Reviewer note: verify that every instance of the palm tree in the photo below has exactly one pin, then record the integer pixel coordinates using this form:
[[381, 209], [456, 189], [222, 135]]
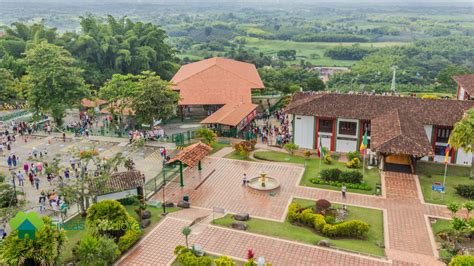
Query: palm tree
[[462, 136], [206, 135], [186, 231]]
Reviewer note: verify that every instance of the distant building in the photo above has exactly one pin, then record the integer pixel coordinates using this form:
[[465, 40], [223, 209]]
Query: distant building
[[326, 72], [465, 86], [401, 130], [219, 88]]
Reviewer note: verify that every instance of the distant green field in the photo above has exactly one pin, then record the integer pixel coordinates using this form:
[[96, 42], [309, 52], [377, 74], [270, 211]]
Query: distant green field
[[305, 50], [309, 51]]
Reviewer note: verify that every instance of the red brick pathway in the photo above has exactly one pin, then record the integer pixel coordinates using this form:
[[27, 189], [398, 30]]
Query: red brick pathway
[[407, 232]]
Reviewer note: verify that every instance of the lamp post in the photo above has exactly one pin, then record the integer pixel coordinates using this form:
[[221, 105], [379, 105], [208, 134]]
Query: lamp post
[[163, 188]]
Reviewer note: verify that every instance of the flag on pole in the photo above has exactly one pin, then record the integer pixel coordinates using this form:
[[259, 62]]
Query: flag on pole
[[320, 149], [446, 154], [364, 143]]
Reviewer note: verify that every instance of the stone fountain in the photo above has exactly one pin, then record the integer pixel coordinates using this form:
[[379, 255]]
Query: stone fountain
[[263, 182]]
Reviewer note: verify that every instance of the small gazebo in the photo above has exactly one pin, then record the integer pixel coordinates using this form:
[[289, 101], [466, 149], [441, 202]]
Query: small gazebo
[[190, 156]]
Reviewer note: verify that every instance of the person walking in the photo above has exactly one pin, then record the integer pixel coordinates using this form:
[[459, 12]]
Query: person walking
[[9, 162], [42, 202], [30, 177], [36, 181], [245, 180], [343, 190], [21, 179]]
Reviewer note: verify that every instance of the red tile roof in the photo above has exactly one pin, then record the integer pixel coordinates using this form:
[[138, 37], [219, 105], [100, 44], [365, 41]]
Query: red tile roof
[[367, 107], [92, 103], [466, 82], [216, 81], [397, 133], [118, 182], [192, 154], [230, 114]]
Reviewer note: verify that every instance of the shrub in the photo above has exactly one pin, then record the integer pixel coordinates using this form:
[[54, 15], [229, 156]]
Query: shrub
[[187, 258], [131, 236], [462, 260], [319, 222], [329, 219], [307, 217], [330, 174], [353, 228], [107, 218], [293, 214], [96, 251], [245, 147], [327, 159], [353, 177], [290, 147], [307, 154], [2, 177], [466, 191], [322, 205], [353, 154], [224, 261], [354, 163]]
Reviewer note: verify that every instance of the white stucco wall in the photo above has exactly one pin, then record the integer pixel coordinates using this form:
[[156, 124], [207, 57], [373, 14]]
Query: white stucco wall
[[461, 94], [464, 158], [304, 131], [346, 143], [429, 133]]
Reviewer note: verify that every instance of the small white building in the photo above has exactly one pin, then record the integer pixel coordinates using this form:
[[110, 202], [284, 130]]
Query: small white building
[[465, 86]]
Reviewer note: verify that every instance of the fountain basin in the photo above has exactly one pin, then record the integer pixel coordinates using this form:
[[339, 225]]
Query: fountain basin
[[270, 183]]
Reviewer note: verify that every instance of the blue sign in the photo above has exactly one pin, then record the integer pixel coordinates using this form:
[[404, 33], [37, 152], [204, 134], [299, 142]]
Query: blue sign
[[439, 188]]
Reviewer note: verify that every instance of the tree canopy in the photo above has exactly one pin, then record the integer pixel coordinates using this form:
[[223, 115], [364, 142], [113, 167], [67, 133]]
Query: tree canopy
[[53, 83]]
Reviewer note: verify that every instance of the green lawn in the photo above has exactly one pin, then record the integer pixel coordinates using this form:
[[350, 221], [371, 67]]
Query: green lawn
[[216, 146], [236, 156], [434, 172], [306, 235], [74, 236], [313, 167]]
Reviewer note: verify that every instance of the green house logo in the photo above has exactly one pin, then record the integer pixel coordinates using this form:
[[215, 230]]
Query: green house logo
[[26, 224]]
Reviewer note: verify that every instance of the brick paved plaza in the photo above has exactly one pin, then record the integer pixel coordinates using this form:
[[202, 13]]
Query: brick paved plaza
[[407, 233]]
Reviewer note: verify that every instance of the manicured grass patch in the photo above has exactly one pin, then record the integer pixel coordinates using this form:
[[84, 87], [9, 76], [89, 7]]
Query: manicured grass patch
[[216, 146], [79, 223], [288, 231], [434, 172], [313, 167], [236, 156], [441, 225]]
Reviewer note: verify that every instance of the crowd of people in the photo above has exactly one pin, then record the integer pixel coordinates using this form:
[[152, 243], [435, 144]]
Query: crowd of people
[[271, 129]]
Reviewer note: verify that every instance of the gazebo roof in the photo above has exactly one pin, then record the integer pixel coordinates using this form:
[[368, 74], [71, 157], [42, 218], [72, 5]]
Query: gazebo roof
[[192, 154], [119, 182]]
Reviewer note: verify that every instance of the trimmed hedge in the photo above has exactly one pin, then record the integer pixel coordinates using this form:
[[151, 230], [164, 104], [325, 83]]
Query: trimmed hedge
[[336, 175], [466, 191], [353, 229], [319, 181]]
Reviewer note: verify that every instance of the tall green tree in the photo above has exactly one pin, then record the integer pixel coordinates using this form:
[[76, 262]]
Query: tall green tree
[[8, 90], [54, 83], [445, 76], [154, 99], [121, 46], [462, 135]]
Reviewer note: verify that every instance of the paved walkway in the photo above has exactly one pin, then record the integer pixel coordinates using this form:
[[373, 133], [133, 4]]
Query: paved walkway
[[408, 237]]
